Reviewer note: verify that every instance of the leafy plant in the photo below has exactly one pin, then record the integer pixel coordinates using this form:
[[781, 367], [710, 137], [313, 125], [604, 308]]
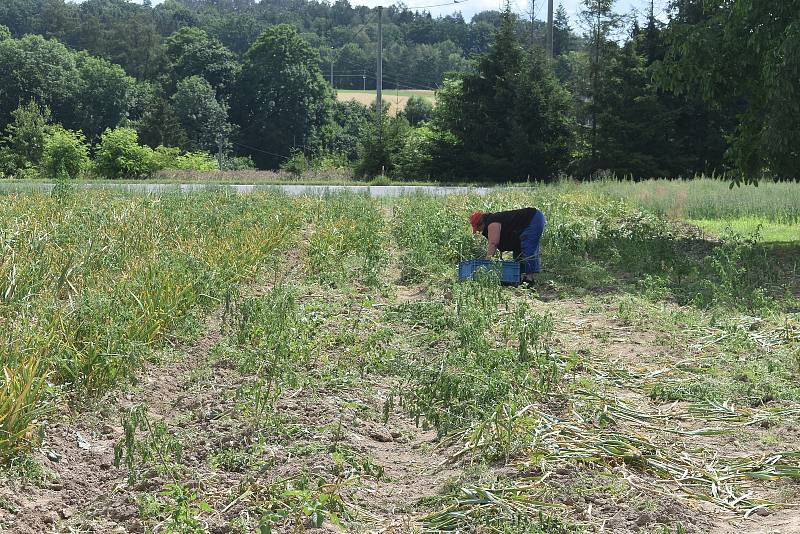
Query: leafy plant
[[65, 154], [119, 155]]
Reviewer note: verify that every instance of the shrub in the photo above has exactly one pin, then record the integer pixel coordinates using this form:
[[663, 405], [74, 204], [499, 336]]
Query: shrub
[[120, 155], [417, 110], [165, 156], [379, 152], [197, 161], [65, 154], [238, 163], [328, 161], [429, 153], [170, 158], [25, 137], [297, 163]]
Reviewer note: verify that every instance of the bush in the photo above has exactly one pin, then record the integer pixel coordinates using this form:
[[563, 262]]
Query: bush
[[65, 154], [329, 161], [297, 163], [120, 155], [417, 110], [170, 158], [428, 153], [25, 138], [379, 153], [238, 163], [164, 156], [196, 161]]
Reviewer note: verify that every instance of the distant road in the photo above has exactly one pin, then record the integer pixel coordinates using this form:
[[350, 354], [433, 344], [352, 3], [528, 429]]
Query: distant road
[[289, 189]]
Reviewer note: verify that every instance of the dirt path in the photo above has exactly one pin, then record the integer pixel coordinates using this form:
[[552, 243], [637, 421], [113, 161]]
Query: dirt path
[[645, 353], [80, 486]]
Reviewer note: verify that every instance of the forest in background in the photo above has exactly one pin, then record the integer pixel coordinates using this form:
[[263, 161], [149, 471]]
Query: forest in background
[[120, 90]]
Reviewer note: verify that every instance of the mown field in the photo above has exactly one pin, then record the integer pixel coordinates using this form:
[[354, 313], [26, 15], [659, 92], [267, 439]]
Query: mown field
[[262, 363], [395, 98]]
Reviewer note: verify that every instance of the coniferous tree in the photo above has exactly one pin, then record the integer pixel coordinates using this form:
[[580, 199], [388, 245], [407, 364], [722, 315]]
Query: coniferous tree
[[600, 21], [511, 118], [562, 33]]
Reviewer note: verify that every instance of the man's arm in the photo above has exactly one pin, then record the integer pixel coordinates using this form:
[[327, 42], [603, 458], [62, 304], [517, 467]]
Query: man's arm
[[493, 234]]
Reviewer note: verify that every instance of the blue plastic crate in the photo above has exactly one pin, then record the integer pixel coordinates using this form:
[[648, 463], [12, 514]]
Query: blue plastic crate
[[509, 272]]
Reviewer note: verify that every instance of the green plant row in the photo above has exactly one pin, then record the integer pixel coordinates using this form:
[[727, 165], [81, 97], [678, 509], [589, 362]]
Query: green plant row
[[90, 285]]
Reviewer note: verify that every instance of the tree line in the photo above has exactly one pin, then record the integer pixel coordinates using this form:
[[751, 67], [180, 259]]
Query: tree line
[[712, 90]]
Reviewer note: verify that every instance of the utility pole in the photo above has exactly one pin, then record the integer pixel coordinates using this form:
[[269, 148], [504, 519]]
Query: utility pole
[[549, 38], [332, 67], [533, 15], [364, 78], [379, 74]]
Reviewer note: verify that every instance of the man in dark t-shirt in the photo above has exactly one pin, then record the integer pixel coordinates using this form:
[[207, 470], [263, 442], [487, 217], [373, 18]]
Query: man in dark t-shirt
[[518, 231]]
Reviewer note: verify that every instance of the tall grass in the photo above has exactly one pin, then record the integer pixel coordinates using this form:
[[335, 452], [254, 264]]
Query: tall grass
[[90, 285], [706, 198]]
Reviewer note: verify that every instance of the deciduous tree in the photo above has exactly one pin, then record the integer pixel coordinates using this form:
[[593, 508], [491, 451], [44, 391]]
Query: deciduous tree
[[281, 97]]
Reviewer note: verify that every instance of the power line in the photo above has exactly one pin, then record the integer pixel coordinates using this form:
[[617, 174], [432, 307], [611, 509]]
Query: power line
[[411, 8], [364, 26], [260, 150]]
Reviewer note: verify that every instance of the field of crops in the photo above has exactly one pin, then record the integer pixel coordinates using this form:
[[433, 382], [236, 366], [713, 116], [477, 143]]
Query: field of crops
[[262, 363]]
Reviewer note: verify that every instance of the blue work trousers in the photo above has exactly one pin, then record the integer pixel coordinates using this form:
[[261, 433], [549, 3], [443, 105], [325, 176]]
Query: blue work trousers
[[529, 244]]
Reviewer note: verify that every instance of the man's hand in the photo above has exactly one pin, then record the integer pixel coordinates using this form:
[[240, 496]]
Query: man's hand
[[493, 235]]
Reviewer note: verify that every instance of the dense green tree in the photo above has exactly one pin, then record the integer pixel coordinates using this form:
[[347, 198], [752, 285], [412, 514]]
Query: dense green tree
[[84, 92], [160, 125], [744, 54], [634, 130], [103, 95], [36, 68], [171, 15], [23, 144], [122, 32], [201, 116], [417, 110], [600, 22], [697, 142], [563, 39], [351, 122], [511, 118], [237, 31], [20, 16], [429, 153], [132, 35], [281, 98], [192, 52]]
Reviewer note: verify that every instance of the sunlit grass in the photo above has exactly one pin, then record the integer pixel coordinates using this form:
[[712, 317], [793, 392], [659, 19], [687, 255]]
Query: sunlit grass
[[766, 230], [707, 199], [92, 283]]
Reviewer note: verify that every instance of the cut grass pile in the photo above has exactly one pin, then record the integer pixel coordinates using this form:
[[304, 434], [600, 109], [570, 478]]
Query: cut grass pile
[[650, 370]]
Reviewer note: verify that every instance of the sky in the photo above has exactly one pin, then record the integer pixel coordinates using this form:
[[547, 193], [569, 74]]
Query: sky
[[470, 7]]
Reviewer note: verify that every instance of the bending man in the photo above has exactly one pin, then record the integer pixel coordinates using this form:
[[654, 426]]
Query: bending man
[[517, 231]]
